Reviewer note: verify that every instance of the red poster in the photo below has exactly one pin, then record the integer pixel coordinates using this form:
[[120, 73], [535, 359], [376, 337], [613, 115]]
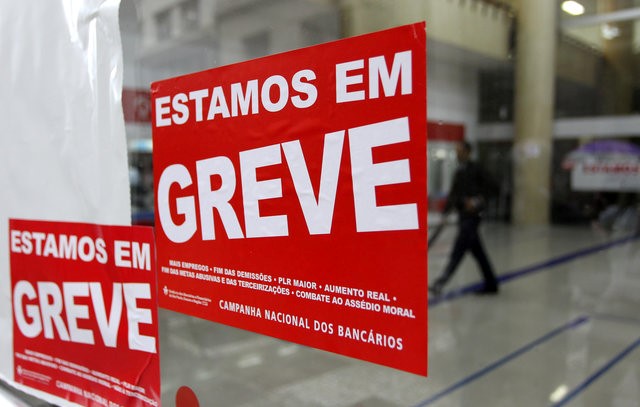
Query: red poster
[[291, 196], [85, 322], [135, 105]]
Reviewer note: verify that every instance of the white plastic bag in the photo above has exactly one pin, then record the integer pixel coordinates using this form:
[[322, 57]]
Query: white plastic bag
[[62, 140]]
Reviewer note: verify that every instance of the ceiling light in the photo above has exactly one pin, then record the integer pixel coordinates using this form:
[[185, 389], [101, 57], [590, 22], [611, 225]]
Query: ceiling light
[[609, 32], [559, 393], [572, 7]]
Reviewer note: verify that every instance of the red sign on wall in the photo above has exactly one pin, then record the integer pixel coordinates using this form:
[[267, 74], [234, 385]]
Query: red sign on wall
[[135, 105], [85, 324], [291, 196]]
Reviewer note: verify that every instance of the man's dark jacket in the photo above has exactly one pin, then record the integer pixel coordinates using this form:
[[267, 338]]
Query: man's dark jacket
[[470, 182]]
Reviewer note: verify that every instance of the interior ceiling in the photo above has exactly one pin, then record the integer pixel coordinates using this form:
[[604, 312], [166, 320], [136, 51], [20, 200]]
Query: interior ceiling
[[585, 31], [598, 23], [601, 7]]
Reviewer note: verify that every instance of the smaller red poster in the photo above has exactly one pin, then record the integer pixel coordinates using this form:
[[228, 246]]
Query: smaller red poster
[[85, 324]]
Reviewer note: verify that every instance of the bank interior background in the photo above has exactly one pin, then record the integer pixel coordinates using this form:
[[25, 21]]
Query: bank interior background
[[548, 94]]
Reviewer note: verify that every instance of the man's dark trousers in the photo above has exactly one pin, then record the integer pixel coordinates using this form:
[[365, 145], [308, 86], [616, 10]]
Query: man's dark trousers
[[468, 239]]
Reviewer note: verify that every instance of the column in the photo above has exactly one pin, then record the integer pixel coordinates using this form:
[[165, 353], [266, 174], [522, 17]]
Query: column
[[534, 105]]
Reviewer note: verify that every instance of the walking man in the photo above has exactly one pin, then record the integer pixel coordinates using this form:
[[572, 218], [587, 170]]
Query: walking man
[[468, 197]]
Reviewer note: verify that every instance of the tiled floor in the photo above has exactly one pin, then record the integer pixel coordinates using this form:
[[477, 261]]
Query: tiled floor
[[565, 327]]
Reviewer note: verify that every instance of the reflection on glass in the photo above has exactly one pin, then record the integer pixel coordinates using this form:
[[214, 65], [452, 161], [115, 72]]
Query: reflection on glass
[[472, 53]]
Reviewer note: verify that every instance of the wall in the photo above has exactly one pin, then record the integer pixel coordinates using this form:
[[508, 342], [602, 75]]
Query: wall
[[452, 93]]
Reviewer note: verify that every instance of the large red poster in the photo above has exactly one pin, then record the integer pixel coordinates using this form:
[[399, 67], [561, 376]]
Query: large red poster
[[291, 196], [85, 323]]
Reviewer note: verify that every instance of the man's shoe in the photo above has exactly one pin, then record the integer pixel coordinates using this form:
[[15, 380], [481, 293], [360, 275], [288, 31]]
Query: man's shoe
[[487, 290], [436, 289]]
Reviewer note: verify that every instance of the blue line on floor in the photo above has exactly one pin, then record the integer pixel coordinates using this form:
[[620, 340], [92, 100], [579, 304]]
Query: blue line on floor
[[503, 278], [463, 382], [616, 318], [589, 380]]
